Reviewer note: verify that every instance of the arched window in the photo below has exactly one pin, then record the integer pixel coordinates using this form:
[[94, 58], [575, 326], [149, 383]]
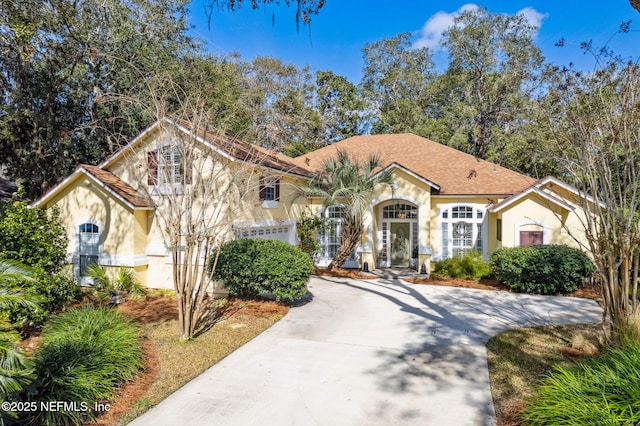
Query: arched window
[[330, 236], [88, 246], [461, 230]]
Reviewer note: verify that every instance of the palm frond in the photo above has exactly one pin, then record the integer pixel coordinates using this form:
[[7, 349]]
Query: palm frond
[[13, 271]]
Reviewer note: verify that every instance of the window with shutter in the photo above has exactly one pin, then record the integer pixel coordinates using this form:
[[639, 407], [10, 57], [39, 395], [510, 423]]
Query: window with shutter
[[269, 192]]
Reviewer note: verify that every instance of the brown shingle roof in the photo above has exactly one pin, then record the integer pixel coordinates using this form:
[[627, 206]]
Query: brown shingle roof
[[117, 185], [456, 172], [251, 153]]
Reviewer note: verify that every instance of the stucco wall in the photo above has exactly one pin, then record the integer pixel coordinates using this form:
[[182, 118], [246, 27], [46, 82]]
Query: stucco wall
[[559, 225]]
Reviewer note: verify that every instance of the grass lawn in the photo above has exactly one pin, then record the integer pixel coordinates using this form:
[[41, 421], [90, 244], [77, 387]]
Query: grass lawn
[[170, 364], [520, 358]]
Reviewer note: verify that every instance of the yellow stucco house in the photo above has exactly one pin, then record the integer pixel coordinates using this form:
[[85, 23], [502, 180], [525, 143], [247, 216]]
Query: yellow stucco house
[[441, 202]]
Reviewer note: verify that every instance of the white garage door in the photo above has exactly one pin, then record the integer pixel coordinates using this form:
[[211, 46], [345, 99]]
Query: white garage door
[[280, 233]]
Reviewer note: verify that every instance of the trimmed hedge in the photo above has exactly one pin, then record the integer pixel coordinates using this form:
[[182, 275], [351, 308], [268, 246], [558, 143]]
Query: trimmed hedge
[[549, 269], [86, 354], [249, 267]]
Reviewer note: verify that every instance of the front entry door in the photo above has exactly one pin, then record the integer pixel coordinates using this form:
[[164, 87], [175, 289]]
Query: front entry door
[[400, 243]]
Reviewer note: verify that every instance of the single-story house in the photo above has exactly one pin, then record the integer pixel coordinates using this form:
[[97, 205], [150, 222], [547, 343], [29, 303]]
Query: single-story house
[[441, 202]]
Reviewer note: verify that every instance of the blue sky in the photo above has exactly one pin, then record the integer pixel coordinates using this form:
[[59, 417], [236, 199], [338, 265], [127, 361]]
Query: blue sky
[[337, 35]]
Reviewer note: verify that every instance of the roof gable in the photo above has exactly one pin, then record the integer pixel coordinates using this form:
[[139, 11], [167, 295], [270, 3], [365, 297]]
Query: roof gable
[[107, 181], [231, 148], [455, 172]]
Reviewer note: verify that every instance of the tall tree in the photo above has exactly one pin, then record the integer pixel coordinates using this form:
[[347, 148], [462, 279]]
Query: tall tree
[[350, 182], [279, 98], [596, 118], [494, 69], [305, 9], [396, 82], [342, 108], [63, 62]]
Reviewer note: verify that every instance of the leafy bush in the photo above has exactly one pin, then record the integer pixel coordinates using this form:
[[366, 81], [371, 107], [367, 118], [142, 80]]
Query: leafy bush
[[85, 354], [249, 267], [602, 391], [471, 265], [36, 238], [33, 236], [124, 281], [548, 269]]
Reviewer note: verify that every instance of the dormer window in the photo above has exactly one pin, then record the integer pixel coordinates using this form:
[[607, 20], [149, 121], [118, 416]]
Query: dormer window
[[269, 192]]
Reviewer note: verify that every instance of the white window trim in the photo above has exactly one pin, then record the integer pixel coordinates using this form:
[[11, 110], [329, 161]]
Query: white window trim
[[270, 183], [440, 255], [323, 259], [162, 187], [542, 224], [75, 259]]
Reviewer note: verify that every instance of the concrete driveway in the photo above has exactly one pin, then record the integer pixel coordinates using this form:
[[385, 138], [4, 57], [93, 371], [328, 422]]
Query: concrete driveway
[[367, 352]]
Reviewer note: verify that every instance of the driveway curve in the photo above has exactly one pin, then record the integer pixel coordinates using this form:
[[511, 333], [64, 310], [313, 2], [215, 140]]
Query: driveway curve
[[367, 352]]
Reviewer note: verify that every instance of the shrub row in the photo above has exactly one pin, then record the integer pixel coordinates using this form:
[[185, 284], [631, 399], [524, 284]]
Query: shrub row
[[550, 269], [249, 267]]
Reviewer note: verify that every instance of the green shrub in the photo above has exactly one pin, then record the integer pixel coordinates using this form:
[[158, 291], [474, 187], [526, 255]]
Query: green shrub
[[249, 267], [85, 354], [551, 269], [124, 281], [602, 391], [471, 265], [36, 238]]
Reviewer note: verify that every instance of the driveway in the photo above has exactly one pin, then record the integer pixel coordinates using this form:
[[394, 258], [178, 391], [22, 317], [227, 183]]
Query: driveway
[[367, 352]]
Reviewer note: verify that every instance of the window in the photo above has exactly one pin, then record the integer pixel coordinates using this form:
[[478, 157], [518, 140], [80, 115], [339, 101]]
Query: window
[[88, 246], [331, 236], [499, 229], [269, 192], [400, 211], [166, 167], [461, 230], [531, 238]]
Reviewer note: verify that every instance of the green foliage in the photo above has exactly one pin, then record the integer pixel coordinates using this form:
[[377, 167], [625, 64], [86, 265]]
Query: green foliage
[[307, 229], [602, 391], [249, 267], [123, 281], [36, 238], [471, 265], [548, 269], [15, 368], [64, 65], [85, 354], [347, 181], [31, 236]]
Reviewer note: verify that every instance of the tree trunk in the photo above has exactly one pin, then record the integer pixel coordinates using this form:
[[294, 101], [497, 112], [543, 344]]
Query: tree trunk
[[350, 238]]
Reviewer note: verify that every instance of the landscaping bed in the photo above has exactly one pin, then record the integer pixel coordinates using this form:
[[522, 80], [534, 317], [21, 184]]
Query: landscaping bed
[[236, 322]]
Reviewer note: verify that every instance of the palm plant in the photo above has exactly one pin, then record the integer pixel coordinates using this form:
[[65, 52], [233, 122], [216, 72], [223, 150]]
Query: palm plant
[[15, 368], [350, 182]]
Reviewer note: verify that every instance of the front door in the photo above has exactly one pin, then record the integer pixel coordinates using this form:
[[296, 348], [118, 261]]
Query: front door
[[400, 243]]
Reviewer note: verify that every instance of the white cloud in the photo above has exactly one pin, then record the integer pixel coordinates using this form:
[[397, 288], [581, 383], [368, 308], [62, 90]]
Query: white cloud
[[431, 32], [534, 17]]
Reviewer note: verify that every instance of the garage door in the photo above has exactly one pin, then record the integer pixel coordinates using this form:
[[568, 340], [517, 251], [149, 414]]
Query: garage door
[[280, 233]]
